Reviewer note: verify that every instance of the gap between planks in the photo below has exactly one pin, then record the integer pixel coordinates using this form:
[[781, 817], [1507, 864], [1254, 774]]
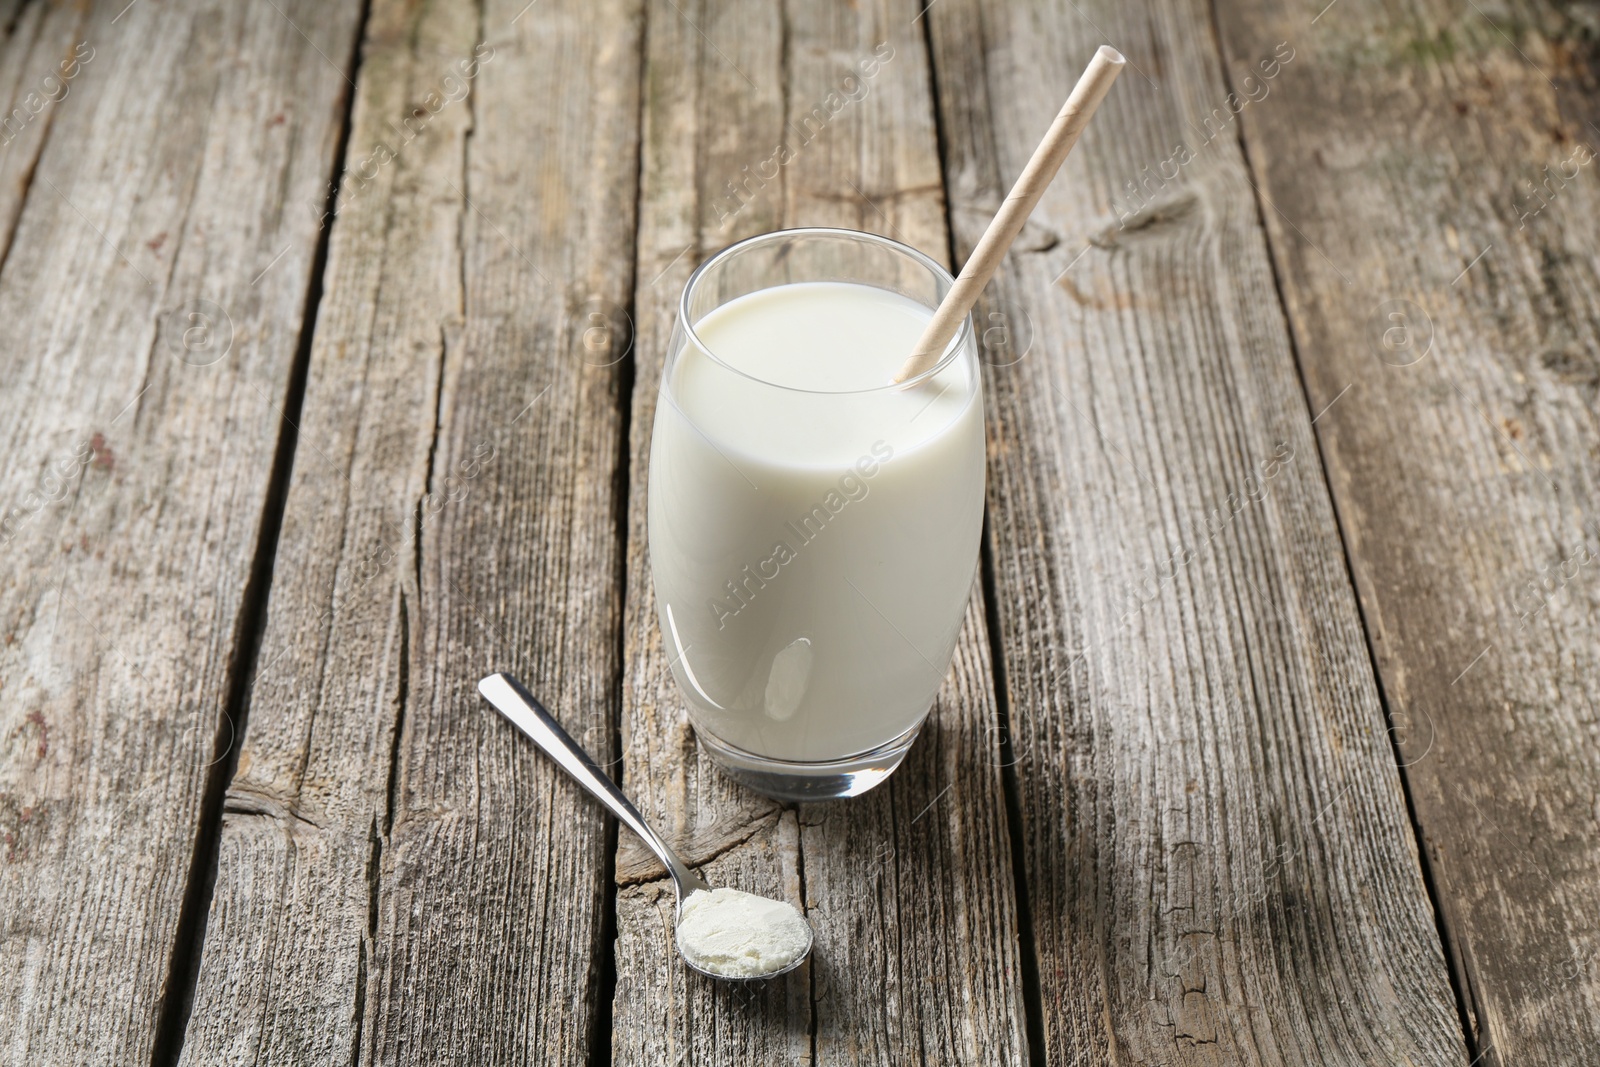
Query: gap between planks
[[600, 1044]]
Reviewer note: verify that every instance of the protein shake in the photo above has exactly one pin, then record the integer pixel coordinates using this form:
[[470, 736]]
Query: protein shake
[[813, 529]]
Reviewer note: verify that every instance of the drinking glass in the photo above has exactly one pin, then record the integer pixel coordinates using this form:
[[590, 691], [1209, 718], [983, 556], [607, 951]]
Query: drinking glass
[[813, 549]]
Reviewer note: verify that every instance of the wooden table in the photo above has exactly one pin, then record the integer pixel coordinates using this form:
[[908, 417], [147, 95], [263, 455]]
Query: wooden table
[[331, 337]]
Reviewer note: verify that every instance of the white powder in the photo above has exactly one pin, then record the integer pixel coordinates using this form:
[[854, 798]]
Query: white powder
[[740, 935]]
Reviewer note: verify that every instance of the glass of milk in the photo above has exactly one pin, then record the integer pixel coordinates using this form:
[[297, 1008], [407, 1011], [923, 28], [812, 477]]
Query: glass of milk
[[813, 526]]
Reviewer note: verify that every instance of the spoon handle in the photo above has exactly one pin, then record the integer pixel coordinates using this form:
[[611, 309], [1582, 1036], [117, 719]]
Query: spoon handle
[[528, 715]]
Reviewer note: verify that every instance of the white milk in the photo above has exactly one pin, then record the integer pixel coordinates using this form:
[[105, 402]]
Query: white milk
[[813, 551]]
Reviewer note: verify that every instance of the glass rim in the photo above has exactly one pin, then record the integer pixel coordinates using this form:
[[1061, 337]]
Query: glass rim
[[952, 350]]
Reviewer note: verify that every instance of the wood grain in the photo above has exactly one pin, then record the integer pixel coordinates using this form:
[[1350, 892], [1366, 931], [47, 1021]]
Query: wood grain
[[40, 64], [1219, 861], [1463, 463], [403, 879], [910, 889], [152, 299]]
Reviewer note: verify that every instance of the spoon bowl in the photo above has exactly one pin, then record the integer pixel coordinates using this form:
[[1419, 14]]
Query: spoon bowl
[[677, 916], [511, 700]]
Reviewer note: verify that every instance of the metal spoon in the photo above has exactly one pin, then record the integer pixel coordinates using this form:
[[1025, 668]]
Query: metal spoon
[[528, 715]]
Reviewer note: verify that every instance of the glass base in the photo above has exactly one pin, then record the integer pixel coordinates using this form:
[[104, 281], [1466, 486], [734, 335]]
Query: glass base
[[828, 780]]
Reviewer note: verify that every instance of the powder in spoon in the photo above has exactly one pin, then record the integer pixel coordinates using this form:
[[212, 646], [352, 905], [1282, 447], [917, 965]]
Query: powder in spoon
[[740, 935]]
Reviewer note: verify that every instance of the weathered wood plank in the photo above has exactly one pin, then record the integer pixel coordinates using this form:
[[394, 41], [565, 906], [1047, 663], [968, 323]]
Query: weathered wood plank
[[152, 301], [309, 798], [1218, 855], [1464, 462], [402, 878], [43, 53], [910, 889]]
